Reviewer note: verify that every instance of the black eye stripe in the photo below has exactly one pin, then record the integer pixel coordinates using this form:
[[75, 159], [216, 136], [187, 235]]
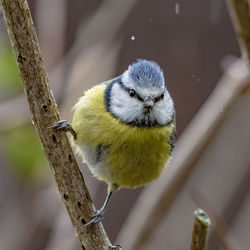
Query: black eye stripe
[[158, 98], [134, 94], [139, 98], [131, 92]]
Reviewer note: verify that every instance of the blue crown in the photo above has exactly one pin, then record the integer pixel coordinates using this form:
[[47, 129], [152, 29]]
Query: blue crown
[[146, 74]]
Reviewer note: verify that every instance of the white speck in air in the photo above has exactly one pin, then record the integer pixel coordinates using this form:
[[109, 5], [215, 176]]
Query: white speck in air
[[132, 37], [196, 78], [177, 8]]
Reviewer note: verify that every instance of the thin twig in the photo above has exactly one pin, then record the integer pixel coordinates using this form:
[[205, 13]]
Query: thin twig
[[44, 113], [200, 230], [223, 232], [240, 15]]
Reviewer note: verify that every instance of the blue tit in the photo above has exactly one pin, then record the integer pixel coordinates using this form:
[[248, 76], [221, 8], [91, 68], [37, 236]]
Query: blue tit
[[124, 128]]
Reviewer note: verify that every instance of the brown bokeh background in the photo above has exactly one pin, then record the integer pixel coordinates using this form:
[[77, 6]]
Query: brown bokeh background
[[83, 43]]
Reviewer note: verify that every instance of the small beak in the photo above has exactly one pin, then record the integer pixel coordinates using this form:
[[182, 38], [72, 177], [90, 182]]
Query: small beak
[[148, 102]]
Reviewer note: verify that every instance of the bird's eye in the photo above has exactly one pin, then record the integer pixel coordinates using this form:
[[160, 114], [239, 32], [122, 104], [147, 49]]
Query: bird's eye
[[158, 98], [131, 92]]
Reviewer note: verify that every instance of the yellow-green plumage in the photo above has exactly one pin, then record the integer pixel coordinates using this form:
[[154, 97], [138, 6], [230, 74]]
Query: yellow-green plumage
[[133, 155]]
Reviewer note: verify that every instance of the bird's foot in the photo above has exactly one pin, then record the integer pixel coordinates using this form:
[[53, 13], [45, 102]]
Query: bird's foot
[[64, 126], [116, 247], [96, 217]]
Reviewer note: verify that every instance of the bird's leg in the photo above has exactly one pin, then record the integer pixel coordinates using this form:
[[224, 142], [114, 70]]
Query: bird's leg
[[64, 126], [98, 215]]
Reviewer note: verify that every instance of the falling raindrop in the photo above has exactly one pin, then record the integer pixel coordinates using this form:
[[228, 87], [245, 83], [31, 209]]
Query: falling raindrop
[[132, 37], [177, 8]]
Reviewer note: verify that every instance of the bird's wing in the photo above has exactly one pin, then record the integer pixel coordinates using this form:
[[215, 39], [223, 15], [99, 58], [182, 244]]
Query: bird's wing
[[172, 137]]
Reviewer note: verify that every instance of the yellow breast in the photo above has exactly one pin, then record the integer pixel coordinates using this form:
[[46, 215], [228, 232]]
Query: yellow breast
[[135, 155]]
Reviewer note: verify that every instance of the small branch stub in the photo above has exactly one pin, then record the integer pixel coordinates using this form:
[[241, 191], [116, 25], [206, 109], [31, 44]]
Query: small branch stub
[[200, 230]]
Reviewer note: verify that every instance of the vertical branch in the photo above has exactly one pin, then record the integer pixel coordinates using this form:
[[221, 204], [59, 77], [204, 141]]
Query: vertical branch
[[44, 113], [200, 230], [240, 14]]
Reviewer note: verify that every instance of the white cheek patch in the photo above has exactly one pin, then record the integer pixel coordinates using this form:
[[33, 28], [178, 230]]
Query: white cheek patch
[[163, 110], [123, 106]]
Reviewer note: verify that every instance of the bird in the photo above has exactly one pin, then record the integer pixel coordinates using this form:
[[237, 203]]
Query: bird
[[124, 129]]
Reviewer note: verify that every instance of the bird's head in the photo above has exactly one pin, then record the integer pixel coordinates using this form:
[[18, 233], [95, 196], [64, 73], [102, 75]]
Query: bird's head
[[139, 97]]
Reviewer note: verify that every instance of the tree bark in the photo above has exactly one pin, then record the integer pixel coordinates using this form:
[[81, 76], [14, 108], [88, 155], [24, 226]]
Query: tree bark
[[44, 113]]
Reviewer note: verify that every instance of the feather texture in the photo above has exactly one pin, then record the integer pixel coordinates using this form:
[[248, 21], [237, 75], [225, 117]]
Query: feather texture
[[132, 156]]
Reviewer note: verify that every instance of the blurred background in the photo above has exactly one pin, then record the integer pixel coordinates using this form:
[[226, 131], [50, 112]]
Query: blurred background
[[90, 41]]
